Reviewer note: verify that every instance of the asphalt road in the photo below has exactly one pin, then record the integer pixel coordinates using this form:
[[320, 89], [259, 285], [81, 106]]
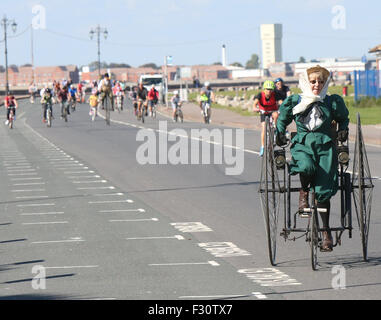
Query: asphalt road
[[82, 216]]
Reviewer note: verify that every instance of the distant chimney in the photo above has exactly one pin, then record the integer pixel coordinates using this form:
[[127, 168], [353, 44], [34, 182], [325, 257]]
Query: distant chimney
[[224, 62]]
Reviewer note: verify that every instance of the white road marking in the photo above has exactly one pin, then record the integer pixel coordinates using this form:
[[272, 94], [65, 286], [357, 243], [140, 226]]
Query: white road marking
[[135, 220], [223, 249], [72, 267], [58, 241], [122, 210], [269, 277], [212, 263], [178, 237], [44, 223], [22, 174], [29, 184], [111, 201], [78, 172], [83, 182], [31, 190], [109, 194], [41, 213], [191, 227], [96, 188], [259, 295], [36, 205], [25, 179], [32, 197]]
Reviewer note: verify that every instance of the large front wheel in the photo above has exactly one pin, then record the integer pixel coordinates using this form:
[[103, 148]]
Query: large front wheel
[[270, 192], [362, 188]]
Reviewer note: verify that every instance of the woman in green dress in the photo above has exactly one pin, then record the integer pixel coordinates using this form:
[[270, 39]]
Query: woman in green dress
[[313, 148]]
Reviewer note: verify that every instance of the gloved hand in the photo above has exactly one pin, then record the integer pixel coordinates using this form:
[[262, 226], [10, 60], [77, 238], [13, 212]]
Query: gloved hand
[[281, 139], [342, 135]]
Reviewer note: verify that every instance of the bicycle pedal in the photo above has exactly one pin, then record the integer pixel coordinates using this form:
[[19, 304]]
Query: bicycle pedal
[[304, 214]]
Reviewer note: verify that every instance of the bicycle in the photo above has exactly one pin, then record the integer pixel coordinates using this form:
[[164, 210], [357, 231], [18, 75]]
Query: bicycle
[[11, 118], [48, 116], [276, 190], [206, 112], [179, 113], [107, 108], [64, 109], [119, 103]]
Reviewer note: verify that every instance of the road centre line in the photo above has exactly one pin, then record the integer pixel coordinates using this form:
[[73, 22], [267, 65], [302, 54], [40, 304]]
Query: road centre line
[[75, 177], [178, 237], [32, 190], [41, 213], [77, 172], [135, 220], [44, 223], [109, 201], [188, 137], [94, 181], [58, 241], [36, 205], [22, 174], [96, 188], [25, 179], [122, 210], [72, 267], [29, 184], [212, 263], [32, 197], [110, 194]]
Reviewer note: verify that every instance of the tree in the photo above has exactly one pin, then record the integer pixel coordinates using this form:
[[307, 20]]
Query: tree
[[118, 65], [217, 64], [253, 63], [302, 60], [149, 65], [237, 64]]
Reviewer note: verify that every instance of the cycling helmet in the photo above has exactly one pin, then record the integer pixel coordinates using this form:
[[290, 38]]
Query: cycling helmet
[[269, 85], [175, 92], [207, 84], [278, 80]]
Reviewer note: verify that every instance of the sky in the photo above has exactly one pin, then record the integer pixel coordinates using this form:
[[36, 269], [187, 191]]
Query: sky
[[191, 31]]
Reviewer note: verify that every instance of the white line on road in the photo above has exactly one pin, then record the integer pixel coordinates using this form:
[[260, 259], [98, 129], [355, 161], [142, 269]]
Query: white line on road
[[36, 205], [22, 174], [178, 237], [135, 220], [95, 188], [29, 184], [109, 194], [58, 241], [111, 201], [212, 263], [41, 213], [78, 172], [71, 267], [82, 182], [122, 210], [32, 190], [32, 197], [25, 179], [43, 223]]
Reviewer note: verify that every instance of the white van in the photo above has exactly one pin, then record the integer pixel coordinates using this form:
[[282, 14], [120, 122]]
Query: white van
[[153, 79]]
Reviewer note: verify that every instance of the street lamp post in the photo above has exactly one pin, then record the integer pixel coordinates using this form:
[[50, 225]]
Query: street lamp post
[[5, 24], [98, 30]]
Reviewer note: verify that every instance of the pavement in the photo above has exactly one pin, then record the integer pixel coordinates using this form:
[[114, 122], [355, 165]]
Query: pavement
[[192, 113]]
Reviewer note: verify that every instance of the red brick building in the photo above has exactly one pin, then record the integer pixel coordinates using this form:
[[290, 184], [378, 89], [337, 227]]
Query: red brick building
[[23, 76]]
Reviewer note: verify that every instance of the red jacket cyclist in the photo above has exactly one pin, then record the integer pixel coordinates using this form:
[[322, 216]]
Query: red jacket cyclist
[[266, 103]]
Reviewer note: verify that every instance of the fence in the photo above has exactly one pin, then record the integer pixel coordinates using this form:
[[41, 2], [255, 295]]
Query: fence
[[367, 84]]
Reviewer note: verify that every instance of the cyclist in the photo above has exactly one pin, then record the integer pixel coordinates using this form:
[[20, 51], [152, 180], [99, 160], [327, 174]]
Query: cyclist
[[176, 102], [73, 95], [62, 98], [313, 149], [93, 102], [207, 96], [153, 98], [81, 93], [134, 98], [142, 99], [265, 103], [10, 103], [47, 102], [105, 89], [282, 92], [32, 92], [118, 92]]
